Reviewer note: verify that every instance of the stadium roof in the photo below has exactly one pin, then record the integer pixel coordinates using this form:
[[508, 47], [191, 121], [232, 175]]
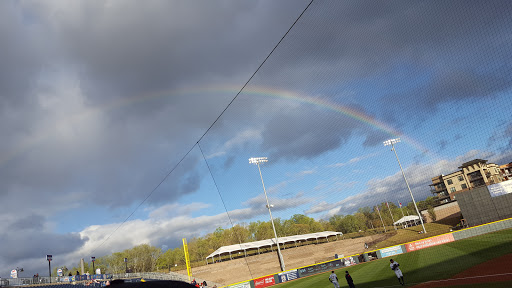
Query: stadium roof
[[407, 219], [271, 242]]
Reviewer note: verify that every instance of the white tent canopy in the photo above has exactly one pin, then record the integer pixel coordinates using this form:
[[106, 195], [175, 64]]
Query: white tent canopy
[[407, 219], [269, 243]]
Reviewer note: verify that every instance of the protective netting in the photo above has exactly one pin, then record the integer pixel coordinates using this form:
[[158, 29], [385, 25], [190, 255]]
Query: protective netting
[[434, 77]]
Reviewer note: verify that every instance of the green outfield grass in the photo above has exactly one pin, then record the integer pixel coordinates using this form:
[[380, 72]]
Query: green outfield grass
[[439, 262], [411, 234]]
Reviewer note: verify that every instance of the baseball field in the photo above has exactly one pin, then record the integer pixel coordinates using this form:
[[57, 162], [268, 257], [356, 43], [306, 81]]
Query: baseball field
[[458, 263]]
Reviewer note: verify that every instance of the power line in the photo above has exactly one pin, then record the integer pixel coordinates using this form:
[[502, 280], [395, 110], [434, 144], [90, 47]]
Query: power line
[[207, 130], [257, 69], [225, 207]]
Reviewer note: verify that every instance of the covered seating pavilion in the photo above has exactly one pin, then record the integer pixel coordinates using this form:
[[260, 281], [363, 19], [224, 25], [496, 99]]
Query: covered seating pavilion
[[406, 220], [244, 247]]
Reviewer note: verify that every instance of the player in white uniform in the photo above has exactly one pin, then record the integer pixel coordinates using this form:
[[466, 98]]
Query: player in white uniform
[[334, 279], [395, 267]]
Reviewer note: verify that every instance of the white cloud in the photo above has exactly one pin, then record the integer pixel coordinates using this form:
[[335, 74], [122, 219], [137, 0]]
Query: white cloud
[[169, 210], [167, 224], [353, 160], [393, 188], [249, 135]]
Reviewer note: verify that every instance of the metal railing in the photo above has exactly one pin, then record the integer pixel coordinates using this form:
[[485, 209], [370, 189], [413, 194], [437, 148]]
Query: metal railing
[[26, 281], [5, 282]]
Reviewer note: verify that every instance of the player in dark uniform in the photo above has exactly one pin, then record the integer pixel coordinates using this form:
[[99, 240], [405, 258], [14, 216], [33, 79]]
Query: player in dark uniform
[[349, 280]]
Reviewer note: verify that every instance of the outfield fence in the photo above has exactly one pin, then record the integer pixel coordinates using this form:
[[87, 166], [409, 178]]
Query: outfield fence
[[306, 271]]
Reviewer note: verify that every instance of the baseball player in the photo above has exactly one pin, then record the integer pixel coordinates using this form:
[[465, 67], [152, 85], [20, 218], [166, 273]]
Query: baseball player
[[334, 279], [395, 267], [350, 281]]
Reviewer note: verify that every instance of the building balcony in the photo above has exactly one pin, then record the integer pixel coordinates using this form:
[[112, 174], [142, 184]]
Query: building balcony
[[474, 177], [439, 192], [443, 195]]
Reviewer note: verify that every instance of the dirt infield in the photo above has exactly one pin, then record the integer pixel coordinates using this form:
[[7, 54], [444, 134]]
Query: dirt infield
[[496, 270]]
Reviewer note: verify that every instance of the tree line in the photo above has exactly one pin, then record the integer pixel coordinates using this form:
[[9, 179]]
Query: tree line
[[147, 258]]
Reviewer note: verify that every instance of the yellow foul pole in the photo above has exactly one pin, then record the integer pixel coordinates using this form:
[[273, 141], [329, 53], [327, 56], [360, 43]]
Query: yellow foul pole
[[187, 258]]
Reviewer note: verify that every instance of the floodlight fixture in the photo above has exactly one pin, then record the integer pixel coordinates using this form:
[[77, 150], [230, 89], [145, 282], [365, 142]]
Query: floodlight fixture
[[257, 161], [392, 142]]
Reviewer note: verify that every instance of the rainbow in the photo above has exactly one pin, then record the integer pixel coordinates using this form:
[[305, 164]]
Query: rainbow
[[258, 91], [261, 91]]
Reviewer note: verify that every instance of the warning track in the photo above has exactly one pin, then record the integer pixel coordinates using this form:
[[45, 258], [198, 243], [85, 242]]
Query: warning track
[[495, 270]]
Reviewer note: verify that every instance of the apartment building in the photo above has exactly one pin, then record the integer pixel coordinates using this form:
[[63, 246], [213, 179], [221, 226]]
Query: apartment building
[[473, 174], [438, 188], [480, 173], [506, 171]]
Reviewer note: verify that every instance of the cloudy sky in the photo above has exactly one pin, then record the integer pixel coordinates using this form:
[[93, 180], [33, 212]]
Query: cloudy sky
[[100, 100]]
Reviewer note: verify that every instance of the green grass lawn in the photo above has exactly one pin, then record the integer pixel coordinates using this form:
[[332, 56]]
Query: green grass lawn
[[439, 262], [411, 234]]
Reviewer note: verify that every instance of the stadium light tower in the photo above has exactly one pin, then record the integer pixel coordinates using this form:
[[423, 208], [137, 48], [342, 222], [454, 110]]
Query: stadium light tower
[[392, 142], [258, 161]]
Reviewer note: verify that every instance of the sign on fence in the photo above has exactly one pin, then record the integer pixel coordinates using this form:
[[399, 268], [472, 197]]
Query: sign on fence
[[499, 189], [390, 251], [264, 281], [288, 276], [241, 285], [425, 243], [349, 261], [314, 269]]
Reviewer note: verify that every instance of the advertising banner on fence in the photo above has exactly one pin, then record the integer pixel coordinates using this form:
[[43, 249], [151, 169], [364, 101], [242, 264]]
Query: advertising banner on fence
[[306, 271], [264, 281], [241, 285], [499, 189], [425, 243], [288, 276], [395, 250], [310, 270], [349, 261]]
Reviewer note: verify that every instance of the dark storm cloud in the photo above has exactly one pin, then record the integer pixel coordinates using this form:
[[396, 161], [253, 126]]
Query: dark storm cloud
[[24, 222], [309, 132], [126, 52], [427, 53], [28, 237], [451, 85], [19, 246], [21, 55], [114, 57]]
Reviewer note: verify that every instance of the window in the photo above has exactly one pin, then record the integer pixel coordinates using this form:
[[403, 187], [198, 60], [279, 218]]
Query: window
[[452, 189], [463, 186], [461, 178], [449, 181]]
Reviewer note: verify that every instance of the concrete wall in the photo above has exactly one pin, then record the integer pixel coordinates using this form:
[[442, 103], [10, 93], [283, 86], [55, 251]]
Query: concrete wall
[[478, 207], [475, 231], [448, 210]]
